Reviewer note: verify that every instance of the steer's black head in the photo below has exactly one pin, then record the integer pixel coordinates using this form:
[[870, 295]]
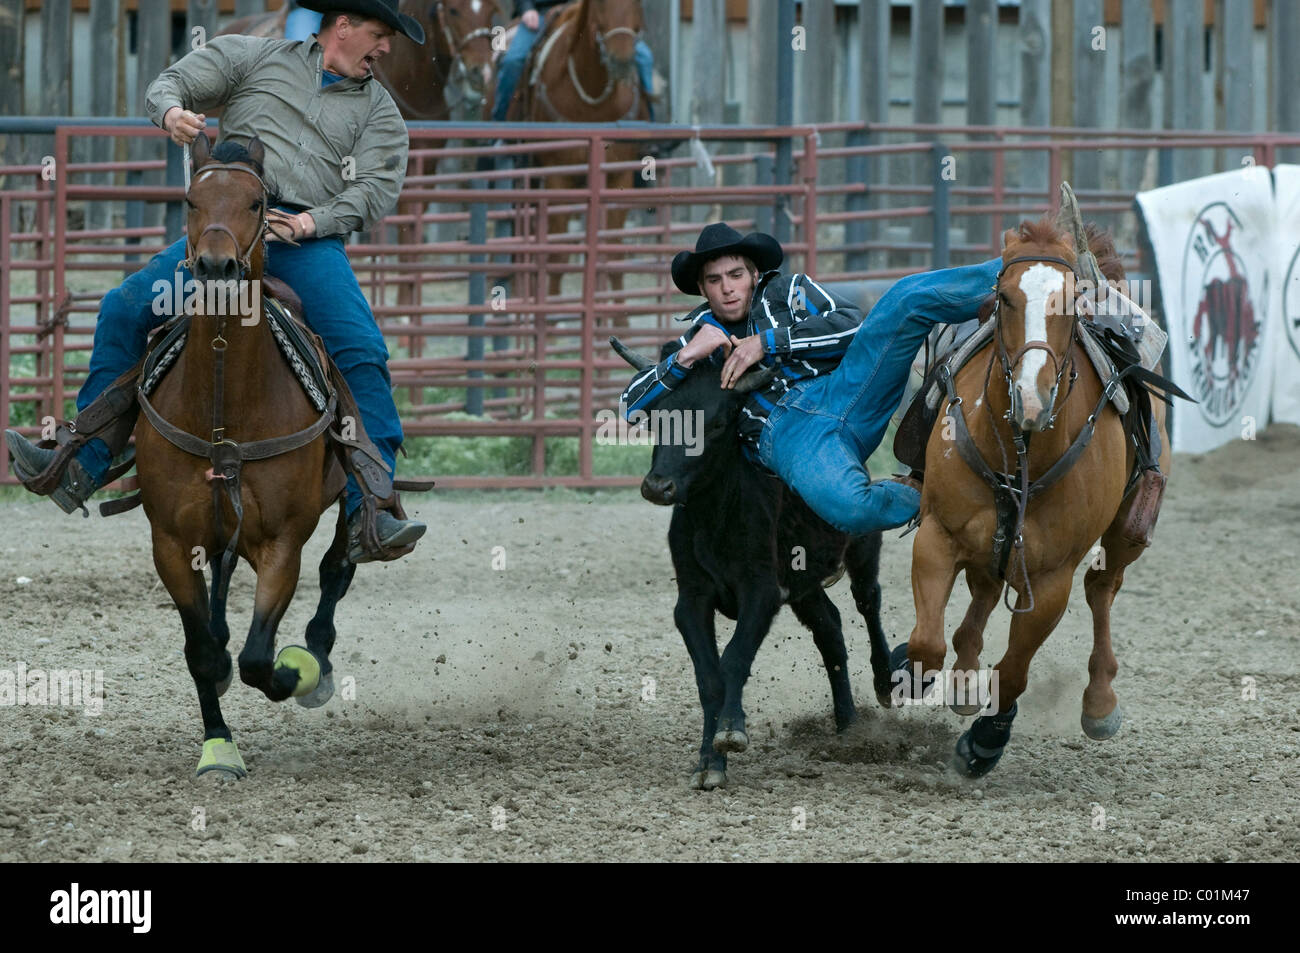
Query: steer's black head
[[694, 428]]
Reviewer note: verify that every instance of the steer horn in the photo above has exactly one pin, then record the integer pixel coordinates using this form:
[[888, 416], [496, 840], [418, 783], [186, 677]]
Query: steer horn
[[755, 380], [1071, 220], [639, 361]]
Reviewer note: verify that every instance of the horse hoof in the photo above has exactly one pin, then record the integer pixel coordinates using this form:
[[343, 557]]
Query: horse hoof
[[224, 684], [323, 693], [300, 660], [1099, 729], [904, 679], [708, 780], [222, 756], [729, 742], [973, 708], [971, 761]]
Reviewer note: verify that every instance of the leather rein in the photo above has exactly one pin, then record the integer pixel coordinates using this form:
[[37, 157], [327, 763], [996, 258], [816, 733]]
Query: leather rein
[[1012, 492], [226, 456]]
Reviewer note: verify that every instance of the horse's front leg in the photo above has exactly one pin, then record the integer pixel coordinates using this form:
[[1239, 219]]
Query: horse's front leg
[[968, 640], [205, 654], [336, 572], [296, 672], [934, 569]]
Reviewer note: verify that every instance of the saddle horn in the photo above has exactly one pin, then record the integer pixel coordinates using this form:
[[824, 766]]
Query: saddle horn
[[1070, 219], [639, 361]]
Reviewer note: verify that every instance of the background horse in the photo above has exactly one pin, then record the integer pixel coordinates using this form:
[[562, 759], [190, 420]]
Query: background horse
[[282, 496], [587, 73], [1061, 526]]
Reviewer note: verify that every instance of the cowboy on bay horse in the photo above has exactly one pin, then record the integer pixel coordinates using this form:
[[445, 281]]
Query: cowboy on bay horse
[[336, 149]]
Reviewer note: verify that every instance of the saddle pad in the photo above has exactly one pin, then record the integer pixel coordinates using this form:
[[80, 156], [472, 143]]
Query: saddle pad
[[961, 357], [291, 337]]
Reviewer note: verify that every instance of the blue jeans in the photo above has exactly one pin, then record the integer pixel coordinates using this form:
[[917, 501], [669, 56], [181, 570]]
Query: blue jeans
[[821, 432], [512, 65], [333, 307]]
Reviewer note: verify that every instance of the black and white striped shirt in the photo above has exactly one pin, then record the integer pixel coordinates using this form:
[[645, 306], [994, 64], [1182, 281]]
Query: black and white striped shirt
[[805, 332]]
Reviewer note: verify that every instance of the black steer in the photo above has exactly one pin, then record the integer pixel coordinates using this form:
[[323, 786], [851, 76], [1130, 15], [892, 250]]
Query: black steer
[[742, 544]]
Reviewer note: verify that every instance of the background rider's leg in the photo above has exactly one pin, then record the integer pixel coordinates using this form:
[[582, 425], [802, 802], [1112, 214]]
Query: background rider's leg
[[512, 65]]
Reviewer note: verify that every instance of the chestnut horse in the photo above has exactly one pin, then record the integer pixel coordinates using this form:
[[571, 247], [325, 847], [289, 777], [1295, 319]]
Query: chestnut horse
[[1007, 393], [190, 495], [588, 74]]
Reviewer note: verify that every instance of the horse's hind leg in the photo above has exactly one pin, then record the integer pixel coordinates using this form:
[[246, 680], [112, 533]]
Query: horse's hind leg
[[277, 578], [205, 652], [1101, 715], [819, 614], [862, 559], [336, 572]]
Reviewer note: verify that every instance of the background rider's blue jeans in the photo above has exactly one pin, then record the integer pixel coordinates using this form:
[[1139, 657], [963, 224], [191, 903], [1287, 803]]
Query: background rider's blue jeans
[[512, 65], [820, 434], [318, 270]]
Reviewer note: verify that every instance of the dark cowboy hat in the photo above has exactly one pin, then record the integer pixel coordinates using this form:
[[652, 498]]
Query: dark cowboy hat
[[721, 239], [385, 10]]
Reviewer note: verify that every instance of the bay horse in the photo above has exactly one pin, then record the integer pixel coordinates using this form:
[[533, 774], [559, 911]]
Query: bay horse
[[1008, 392], [194, 498], [587, 73]]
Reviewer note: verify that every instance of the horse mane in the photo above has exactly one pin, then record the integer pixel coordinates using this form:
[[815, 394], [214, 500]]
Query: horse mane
[[1045, 231], [228, 150]]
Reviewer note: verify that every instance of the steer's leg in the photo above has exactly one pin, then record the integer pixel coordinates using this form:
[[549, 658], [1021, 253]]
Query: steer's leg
[[863, 561], [819, 614], [694, 618], [757, 610]]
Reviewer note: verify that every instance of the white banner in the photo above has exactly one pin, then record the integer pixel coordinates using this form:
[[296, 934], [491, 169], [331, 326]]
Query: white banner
[[1286, 371], [1215, 244]]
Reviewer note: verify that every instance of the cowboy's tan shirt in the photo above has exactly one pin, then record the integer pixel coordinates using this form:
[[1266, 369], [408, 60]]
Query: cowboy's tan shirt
[[340, 150]]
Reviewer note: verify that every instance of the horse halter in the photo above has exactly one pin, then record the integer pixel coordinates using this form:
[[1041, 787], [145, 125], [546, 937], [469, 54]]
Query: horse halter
[[1010, 361], [450, 37], [244, 259]]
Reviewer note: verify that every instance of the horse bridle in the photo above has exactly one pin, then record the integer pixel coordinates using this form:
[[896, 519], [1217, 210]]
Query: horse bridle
[[1009, 362], [605, 61], [244, 258], [451, 38], [1012, 492]]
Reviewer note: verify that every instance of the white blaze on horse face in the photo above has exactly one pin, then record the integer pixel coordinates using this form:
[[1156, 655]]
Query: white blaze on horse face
[[1039, 283]]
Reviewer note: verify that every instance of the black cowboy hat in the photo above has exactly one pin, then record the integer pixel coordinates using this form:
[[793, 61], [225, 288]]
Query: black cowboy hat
[[385, 10], [721, 239]]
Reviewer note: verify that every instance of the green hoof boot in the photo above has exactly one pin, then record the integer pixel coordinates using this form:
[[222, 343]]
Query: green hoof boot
[[222, 756]]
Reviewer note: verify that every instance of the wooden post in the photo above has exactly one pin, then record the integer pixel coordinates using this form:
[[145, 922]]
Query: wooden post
[[245, 8], [104, 43], [874, 27], [1234, 79], [817, 62], [1285, 31], [927, 92], [200, 14], [1089, 77], [11, 89], [56, 67], [981, 106], [1063, 75], [153, 53], [1138, 73], [1035, 86], [760, 105], [708, 42], [1184, 61]]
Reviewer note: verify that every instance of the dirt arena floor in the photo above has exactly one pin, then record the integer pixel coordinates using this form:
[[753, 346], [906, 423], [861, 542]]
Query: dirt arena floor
[[501, 714]]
